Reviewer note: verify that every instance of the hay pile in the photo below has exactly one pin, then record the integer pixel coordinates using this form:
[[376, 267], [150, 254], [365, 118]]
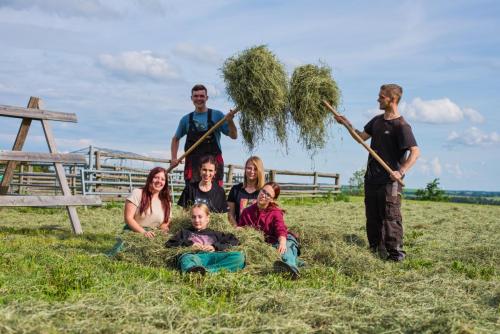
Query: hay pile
[[309, 86], [257, 83], [152, 252]]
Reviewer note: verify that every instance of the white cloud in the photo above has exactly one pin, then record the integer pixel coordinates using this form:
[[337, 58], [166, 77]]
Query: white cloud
[[473, 115], [87, 8], [438, 111], [64, 8], [473, 137], [430, 167], [454, 169], [213, 91], [203, 54], [139, 63], [436, 166]]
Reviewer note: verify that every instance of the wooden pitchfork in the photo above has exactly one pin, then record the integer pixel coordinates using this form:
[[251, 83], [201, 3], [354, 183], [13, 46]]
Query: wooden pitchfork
[[202, 138], [360, 140]]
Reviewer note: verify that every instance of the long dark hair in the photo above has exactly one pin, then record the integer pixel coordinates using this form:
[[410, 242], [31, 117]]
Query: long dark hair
[[164, 194]]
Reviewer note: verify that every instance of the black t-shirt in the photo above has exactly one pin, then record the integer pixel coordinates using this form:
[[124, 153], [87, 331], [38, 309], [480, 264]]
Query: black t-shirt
[[215, 198], [390, 139], [241, 199]]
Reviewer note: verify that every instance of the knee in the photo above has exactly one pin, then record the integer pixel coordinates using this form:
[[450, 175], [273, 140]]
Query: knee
[[238, 256], [392, 211]]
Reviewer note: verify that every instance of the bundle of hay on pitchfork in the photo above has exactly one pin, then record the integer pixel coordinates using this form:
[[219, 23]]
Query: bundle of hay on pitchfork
[[258, 84]]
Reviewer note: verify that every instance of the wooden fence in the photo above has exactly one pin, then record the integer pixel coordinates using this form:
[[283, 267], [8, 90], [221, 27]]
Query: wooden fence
[[100, 178]]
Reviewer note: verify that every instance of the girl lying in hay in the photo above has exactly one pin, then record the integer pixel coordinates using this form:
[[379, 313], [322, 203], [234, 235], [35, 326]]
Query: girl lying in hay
[[208, 248], [266, 216]]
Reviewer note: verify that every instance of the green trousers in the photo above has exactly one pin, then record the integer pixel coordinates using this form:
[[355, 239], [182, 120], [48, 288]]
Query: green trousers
[[213, 261], [119, 245]]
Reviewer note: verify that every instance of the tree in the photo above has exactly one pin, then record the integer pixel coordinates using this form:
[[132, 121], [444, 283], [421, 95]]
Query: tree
[[432, 192], [357, 182]]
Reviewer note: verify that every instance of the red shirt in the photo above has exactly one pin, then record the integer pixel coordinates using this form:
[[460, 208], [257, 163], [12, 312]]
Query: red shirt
[[270, 221]]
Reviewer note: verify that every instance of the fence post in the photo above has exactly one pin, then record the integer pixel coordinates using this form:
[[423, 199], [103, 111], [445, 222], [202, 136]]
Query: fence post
[[337, 182], [170, 182], [72, 172], [97, 167], [130, 186], [21, 179], [315, 183], [82, 173], [230, 169], [91, 164], [272, 175], [29, 178]]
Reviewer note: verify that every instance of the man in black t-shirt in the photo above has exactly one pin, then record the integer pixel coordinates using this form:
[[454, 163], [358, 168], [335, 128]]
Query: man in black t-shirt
[[392, 139]]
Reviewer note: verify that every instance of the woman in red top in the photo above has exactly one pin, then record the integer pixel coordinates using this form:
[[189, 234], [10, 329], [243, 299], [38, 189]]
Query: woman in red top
[[265, 215]]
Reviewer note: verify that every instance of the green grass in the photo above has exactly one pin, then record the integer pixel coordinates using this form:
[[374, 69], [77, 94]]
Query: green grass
[[52, 281]]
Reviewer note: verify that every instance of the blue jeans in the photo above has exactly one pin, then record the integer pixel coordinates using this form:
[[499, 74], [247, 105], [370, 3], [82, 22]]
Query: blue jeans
[[291, 256]]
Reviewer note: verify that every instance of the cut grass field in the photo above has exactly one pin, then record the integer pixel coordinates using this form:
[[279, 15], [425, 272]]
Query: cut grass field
[[52, 281]]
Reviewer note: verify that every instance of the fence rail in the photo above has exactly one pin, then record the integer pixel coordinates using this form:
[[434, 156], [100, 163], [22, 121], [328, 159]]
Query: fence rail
[[111, 181]]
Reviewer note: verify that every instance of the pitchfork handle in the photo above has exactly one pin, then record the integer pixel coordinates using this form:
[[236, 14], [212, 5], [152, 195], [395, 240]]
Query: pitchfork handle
[[202, 138], [360, 140]]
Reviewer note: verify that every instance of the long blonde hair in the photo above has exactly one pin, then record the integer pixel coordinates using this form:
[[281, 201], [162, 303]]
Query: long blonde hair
[[261, 178]]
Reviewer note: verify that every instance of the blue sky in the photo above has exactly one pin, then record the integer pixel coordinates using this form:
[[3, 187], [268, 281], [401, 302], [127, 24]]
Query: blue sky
[[126, 69]]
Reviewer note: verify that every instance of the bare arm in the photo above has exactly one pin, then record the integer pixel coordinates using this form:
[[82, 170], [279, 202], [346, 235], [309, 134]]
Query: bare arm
[[342, 120], [362, 134], [282, 245], [233, 132], [231, 213], [410, 161], [129, 213], [174, 147]]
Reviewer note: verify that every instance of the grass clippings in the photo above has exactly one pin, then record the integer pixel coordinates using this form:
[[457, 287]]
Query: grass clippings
[[152, 252], [52, 281], [257, 83]]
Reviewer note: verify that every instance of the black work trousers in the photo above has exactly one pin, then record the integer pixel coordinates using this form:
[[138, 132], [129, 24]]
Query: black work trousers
[[384, 224]]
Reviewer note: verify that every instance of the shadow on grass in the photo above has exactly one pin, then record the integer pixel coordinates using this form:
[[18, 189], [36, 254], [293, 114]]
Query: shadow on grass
[[90, 244], [354, 239], [54, 230]]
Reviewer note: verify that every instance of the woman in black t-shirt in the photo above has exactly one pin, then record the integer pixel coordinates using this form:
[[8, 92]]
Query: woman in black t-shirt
[[245, 194], [205, 191]]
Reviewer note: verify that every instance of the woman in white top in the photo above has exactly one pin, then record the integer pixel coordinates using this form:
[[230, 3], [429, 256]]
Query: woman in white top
[[149, 207]]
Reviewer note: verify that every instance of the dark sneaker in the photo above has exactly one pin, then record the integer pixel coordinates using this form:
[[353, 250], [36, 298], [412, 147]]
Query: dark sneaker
[[285, 268], [396, 256], [197, 269]]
